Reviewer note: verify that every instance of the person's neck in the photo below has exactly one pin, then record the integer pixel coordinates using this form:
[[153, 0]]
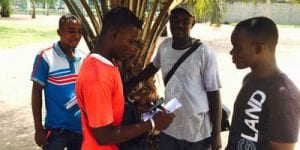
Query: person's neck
[[266, 70], [70, 53], [102, 49], [182, 43]]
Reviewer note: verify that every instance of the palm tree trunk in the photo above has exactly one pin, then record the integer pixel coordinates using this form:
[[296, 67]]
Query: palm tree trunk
[[47, 8], [164, 32], [104, 6], [33, 9], [5, 8]]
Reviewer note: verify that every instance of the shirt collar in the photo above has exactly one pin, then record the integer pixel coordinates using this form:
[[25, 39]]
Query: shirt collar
[[102, 59], [60, 52]]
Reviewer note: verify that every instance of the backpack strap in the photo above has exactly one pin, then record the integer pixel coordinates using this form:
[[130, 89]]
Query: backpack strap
[[195, 45]]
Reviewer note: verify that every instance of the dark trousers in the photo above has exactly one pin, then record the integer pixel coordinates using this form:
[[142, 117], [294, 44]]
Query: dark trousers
[[59, 139], [167, 142]]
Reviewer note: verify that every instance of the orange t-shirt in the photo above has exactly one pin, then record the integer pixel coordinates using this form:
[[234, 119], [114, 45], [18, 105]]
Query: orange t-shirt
[[100, 97]]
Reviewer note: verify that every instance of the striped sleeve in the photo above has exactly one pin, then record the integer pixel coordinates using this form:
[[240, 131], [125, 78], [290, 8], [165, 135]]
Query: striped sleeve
[[40, 69]]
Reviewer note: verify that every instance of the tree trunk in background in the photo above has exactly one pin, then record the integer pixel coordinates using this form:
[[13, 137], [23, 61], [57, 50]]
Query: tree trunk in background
[[28, 5], [5, 8], [33, 9], [47, 5], [267, 10], [104, 6], [165, 31]]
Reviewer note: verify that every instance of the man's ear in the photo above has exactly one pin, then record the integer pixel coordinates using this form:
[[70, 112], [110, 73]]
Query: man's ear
[[259, 47], [114, 32]]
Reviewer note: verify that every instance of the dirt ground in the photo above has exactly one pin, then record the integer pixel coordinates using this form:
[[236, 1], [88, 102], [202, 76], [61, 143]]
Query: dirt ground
[[16, 121]]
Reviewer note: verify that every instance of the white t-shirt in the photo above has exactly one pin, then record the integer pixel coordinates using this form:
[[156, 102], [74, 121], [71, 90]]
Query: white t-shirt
[[197, 75]]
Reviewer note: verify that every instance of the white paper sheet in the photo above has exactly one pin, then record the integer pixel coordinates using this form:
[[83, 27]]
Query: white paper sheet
[[170, 107]]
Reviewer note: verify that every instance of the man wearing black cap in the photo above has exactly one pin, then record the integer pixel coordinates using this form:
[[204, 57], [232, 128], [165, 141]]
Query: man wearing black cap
[[195, 84]]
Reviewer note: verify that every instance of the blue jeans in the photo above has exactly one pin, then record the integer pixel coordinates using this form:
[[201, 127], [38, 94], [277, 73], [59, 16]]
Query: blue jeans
[[62, 138], [167, 142]]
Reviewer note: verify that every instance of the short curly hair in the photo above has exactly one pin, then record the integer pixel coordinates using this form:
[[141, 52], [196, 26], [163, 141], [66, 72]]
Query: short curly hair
[[64, 18], [261, 29], [120, 17]]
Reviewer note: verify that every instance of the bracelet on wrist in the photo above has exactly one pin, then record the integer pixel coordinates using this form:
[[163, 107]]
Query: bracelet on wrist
[[152, 125]]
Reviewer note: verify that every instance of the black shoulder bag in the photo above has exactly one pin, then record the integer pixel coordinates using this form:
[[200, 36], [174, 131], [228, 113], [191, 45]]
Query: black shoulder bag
[[225, 111], [132, 116]]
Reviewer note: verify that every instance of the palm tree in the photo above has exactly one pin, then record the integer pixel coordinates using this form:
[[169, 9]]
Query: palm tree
[[5, 8]]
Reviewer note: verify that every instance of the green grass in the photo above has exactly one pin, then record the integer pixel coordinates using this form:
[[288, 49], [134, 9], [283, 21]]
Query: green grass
[[13, 35]]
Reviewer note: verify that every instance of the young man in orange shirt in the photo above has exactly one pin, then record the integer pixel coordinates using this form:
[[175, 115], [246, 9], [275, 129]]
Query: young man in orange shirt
[[99, 86]]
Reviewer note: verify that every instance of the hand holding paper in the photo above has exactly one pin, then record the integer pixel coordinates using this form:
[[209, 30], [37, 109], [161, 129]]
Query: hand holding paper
[[170, 107]]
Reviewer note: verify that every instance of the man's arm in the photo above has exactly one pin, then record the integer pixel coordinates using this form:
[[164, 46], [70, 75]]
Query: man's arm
[[109, 134], [215, 112], [36, 105], [281, 146], [149, 71]]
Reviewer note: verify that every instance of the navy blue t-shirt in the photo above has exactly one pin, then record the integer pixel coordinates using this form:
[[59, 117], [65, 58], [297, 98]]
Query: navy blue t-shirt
[[266, 109]]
